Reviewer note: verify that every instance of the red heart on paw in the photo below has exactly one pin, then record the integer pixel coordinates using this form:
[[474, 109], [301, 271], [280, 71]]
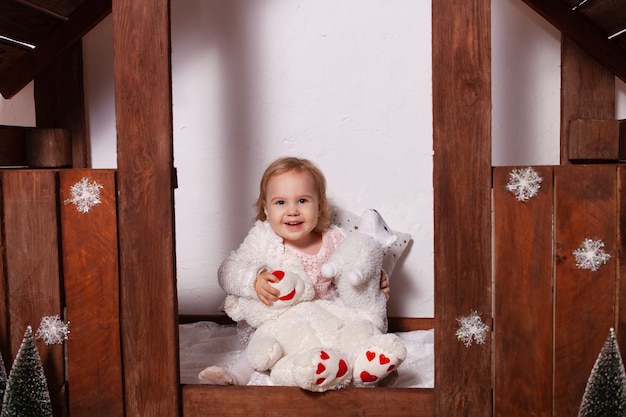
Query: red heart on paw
[[384, 359], [320, 381], [320, 368], [279, 274], [324, 355], [288, 297], [343, 368], [370, 355], [390, 368], [367, 377]]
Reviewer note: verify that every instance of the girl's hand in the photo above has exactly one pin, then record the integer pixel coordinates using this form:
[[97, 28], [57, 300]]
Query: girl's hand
[[266, 293], [384, 282]]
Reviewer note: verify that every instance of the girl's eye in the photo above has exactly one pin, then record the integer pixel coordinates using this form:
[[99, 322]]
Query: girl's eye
[[302, 200], [280, 202]]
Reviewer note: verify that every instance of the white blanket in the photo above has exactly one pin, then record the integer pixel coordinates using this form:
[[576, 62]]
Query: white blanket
[[207, 343]]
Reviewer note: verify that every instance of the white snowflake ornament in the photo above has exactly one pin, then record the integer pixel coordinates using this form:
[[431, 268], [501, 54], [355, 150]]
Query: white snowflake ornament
[[53, 330], [591, 255], [472, 329], [524, 183], [84, 195]]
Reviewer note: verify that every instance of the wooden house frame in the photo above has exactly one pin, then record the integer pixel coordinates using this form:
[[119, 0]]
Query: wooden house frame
[[462, 202]]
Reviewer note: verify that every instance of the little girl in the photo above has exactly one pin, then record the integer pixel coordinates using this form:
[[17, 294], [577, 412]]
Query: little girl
[[292, 225]]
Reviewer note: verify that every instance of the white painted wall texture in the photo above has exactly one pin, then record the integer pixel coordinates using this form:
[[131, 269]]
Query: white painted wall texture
[[346, 83]]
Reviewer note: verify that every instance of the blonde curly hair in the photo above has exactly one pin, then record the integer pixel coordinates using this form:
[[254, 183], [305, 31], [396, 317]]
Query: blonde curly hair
[[298, 165]]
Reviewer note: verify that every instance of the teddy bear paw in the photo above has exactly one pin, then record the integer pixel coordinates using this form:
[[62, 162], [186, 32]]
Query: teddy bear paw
[[216, 375], [316, 370], [331, 371], [374, 365]]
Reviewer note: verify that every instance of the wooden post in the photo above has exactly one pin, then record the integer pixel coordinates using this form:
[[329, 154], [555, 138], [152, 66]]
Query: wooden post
[[587, 90], [59, 102], [143, 101], [462, 201]]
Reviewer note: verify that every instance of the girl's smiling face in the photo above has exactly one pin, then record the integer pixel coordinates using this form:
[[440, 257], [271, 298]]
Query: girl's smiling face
[[292, 208]]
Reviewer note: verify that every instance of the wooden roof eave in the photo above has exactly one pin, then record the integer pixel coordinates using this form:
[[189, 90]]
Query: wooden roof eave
[[24, 70], [582, 32]]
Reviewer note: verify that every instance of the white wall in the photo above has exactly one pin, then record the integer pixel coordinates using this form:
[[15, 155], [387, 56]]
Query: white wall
[[19, 110], [346, 83], [526, 86], [343, 83]]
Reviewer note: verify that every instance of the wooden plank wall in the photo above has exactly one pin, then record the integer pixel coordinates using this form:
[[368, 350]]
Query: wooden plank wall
[[91, 277], [36, 224], [31, 278], [587, 90], [522, 299], [551, 318]]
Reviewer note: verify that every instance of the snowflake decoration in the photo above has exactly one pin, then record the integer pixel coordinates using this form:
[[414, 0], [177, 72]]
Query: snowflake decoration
[[472, 329], [53, 330], [85, 195], [591, 255], [524, 183]]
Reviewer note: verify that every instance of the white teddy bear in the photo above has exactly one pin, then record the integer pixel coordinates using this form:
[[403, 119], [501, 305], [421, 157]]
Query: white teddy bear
[[322, 345]]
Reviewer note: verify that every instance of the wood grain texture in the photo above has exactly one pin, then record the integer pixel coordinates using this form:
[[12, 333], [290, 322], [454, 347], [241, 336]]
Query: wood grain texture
[[25, 67], [240, 401], [31, 244], [585, 207], [593, 141], [523, 298], [141, 38], [462, 201], [587, 90], [621, 273], [60, 102], [91, 282]]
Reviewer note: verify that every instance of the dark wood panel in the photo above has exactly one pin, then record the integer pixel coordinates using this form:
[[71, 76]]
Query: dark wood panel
[[60, 101], [609, 15], [585, 207], [91, 282], [10, 54], [29, 200], [587, 91], [523, 298], [12, 146], [59, 7], [462, 201], [143, 102], [240, 401], [20, 22], [24, 70]]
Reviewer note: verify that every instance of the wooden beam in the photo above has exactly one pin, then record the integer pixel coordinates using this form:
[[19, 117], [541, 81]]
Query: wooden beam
[[60, 101], [25, 69], [583, 33], [587, 91], [143, 103], [462, 201], [262, 401]]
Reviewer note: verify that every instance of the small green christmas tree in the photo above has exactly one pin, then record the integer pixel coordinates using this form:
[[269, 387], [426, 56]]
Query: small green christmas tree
[[27, 392], [605, 394]]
